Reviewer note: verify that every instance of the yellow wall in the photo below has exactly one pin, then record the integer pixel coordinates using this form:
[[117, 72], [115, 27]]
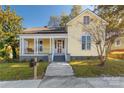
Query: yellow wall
[[46, 45], [75, 32], [30, 43], [114, 47]]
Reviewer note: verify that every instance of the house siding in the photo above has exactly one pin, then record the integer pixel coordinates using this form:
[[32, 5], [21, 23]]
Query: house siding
[[46, 45], [114, 47], [75, 32]]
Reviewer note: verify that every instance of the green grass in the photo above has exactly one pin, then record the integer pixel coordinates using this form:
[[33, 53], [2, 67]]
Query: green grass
[[91, 69], [18, 71]]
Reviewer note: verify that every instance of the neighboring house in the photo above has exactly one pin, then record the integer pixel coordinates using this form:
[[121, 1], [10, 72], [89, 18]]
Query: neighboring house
[[118, 45], [56, 44]]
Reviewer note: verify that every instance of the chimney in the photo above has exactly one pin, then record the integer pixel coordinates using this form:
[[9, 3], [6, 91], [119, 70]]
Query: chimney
[[45, 26]]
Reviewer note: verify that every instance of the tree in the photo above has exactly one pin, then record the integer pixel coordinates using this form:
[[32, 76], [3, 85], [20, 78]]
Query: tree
[[114, 15], [64, 19], [10, 26], [97, 33], [76, 10], [54, 21]]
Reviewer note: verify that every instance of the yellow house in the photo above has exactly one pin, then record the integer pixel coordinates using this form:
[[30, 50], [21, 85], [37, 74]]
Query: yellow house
[[118, 45], [55, 44]]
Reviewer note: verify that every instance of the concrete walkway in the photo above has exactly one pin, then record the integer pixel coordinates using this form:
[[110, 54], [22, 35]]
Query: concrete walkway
[[66, 82], [59, 69]]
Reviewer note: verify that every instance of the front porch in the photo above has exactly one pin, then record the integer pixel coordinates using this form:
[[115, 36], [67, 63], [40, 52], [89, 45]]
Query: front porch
[[43, 46]]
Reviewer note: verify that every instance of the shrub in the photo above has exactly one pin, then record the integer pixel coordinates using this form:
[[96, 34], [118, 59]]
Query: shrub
[[1, 59], [2, 52]]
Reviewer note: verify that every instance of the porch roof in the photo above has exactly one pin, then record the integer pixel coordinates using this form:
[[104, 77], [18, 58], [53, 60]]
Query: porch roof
[[44, 30]]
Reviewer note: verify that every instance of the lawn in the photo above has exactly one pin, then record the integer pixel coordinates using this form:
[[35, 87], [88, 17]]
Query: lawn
[[90, 68], [17, 71]]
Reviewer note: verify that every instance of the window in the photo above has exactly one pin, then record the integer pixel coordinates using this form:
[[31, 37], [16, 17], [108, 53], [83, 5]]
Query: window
[[86, 42], [40, 47], [117, 42], [86, 20], [83, 42]]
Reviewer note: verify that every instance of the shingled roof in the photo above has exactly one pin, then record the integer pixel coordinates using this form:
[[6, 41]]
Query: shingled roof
[[38, 30]]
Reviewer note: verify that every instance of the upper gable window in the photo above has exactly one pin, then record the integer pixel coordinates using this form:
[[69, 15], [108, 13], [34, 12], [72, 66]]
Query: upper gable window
[[86, 20]]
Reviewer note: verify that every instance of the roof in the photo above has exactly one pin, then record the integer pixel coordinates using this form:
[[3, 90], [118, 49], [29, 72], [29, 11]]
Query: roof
[[43, 30], [90, 12]]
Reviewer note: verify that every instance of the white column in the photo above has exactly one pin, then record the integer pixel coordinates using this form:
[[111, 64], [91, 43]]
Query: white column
[[50, 46], [22, 46], [35, 45], [53, 46], [66, 48]]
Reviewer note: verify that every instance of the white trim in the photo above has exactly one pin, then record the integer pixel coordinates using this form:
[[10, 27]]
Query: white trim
[[43, 35], [86, 35], [20, 46], [50, 46], [35, 45], [90, 12], [65, 49], [52, 49]]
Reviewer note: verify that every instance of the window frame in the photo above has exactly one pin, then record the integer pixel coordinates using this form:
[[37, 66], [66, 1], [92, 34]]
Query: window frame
[[86, 42], [86, 20], [40, 45], [116, 44]]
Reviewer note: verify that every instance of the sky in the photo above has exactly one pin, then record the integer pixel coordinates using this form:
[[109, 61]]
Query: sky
[[38, 15]]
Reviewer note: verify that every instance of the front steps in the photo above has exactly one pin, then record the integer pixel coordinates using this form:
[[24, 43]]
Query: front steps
[[59, 58]]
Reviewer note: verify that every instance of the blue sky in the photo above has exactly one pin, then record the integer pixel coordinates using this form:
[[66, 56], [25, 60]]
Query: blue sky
[[36, 16]]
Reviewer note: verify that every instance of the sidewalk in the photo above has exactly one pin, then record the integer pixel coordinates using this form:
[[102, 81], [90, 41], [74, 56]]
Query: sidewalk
[[66, 82]]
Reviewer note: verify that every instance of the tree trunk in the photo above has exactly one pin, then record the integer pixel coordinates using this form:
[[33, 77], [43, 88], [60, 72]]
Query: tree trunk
[[14, 52], [102, 61]]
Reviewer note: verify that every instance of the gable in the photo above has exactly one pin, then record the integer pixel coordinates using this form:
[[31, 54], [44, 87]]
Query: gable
[[89, 13]]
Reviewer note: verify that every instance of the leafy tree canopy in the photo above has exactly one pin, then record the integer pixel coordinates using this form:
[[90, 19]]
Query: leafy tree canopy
[[113, 14], [10, 26]]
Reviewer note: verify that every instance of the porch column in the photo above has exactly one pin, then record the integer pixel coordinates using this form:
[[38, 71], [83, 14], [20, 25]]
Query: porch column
[[52, 51], [50, 46], [35, 45], [22, 46], [66, 48]]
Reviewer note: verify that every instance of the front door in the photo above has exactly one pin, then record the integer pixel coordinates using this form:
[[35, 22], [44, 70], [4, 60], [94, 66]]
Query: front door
[[59, 46]]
